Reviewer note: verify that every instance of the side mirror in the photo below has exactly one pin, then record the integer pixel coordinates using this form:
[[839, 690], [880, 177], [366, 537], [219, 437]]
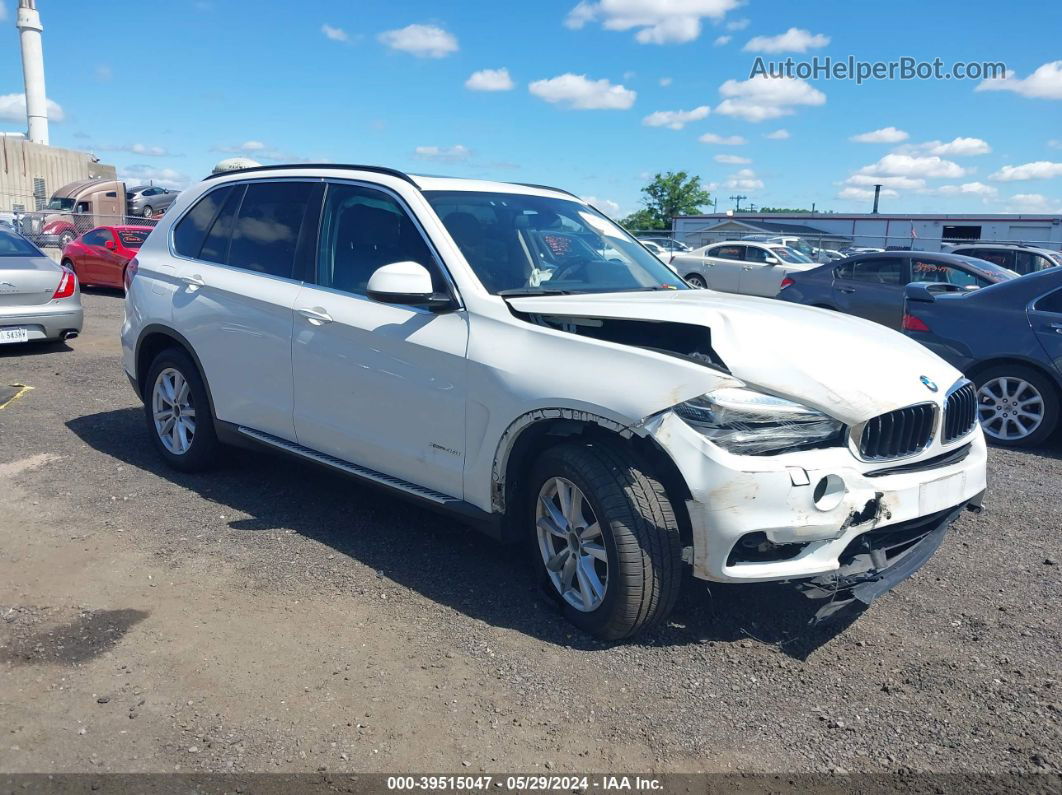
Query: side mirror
[[920, 291], [109, 245], [406, 283], [771, 260]]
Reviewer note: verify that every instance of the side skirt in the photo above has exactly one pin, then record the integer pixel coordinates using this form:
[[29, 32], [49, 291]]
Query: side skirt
[[242, 436]]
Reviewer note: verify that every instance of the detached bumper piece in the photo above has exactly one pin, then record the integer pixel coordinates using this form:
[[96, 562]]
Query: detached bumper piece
[[878, 560]]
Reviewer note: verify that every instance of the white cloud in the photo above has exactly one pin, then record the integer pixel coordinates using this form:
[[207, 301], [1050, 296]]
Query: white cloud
[[656, 21], [137, 149], [761, 98], [163, 177], [744, 179], [443, 154], [423, 41], [262, 151], [1033, 203], [103, 73], [665, 82], [737, 24], [886, 135], [675, 119], [607, 206], [335, 34], [899, 165], [722, 140], [900, 183], [721, 40], [3, 12], [1041, 169], [490, 80], [863, 194], [965, 189], [778, 135], [581, 93], [13, 108], [1044, 83], [957, 147], [731, 160], [1055, 143], [793, 40]]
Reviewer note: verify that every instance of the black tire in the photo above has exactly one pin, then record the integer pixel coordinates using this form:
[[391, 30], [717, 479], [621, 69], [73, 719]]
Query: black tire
[[202, 453], [639, 532], [1041, 383], [697, 281], [147, 212]]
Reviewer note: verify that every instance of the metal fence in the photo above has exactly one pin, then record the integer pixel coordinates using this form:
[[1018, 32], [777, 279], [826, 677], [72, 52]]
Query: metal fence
[[50, 228]]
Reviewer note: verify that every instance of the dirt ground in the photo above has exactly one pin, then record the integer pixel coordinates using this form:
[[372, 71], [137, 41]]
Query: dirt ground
[[271, 616]]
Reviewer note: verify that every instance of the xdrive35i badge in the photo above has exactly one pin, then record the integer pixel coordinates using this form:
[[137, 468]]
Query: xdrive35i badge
[[931, 385]]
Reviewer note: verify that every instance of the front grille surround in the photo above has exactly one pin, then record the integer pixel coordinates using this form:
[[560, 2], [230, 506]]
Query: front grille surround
[[960, 412], [897, 434]]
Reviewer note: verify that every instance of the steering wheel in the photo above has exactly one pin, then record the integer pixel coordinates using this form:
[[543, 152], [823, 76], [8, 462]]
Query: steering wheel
[[570, 268]]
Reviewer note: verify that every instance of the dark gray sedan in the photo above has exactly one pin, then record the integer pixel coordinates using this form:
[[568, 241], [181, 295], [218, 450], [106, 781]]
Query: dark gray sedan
[[39, 300], [872, 285], [1007, 339]]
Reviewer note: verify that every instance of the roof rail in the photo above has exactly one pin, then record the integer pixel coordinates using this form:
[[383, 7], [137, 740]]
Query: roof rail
[[546, 187], [349, 166]]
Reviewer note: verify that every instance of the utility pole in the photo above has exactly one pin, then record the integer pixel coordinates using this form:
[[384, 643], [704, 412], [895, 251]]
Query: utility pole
[[737, 202], [877, 195], [752, 207]]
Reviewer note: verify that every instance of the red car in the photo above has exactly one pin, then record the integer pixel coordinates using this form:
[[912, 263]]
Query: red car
[[100, 255]]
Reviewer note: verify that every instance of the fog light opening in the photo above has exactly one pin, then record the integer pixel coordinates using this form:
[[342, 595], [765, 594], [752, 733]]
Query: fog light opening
[[829, 492], [757, 548]]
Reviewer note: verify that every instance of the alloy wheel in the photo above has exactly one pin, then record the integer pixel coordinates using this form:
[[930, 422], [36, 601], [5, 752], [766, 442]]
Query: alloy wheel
[[571, 543], [173, 411], [1009, 408], [697, 282]]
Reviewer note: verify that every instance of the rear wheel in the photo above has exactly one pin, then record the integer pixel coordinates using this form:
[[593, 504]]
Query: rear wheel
[[1017, 406], [177, 411], [607, 540], [696, 280]]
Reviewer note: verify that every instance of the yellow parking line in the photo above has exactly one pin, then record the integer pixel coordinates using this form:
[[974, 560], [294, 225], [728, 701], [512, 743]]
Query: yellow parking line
[[22, 390]]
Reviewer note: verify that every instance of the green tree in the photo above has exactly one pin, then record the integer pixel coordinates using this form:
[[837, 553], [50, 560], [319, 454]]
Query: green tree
[[668, 195]]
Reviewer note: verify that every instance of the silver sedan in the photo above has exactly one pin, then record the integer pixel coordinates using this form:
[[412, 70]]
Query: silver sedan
[[39, 300]]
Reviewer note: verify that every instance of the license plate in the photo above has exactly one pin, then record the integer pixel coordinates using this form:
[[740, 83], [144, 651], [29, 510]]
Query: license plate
[[936, 495], [13, 335]]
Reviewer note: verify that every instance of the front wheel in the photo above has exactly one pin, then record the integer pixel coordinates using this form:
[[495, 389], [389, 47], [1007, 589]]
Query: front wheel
[[1017, 406], [607, 540], [178, 414], [697, 281], [148, 212], [65, 239]]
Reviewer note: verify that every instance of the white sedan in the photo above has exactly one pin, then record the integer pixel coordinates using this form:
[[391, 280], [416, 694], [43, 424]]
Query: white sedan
[[741, 267]]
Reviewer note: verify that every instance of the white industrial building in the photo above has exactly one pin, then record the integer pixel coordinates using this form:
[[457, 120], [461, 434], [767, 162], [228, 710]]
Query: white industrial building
[[837, 230]]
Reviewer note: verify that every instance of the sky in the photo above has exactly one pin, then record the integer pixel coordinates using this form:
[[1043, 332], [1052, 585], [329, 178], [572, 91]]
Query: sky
[[594, 96]]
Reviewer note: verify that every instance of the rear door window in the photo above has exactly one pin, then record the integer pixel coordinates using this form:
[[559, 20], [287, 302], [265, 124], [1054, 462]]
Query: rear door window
[[880, 270], [727, 252], [266, 233], [929, 270]]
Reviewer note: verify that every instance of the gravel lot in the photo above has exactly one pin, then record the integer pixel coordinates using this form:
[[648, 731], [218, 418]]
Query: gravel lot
[[271, 616]]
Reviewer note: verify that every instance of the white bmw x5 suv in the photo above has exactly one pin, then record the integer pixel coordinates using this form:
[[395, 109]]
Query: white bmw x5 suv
[[508, 353]]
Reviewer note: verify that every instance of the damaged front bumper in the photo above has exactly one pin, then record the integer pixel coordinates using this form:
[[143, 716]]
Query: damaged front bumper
[[818, 515]]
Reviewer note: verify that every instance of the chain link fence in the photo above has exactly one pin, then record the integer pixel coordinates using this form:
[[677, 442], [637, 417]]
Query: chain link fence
[[49, 228]]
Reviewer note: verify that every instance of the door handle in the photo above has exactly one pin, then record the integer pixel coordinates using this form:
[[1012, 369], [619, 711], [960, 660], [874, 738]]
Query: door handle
[[847, 290], [316, 316], [1056, 326], [194, 282]]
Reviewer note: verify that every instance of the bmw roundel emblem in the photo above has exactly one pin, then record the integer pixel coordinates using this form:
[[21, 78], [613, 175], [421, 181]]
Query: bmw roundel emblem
[[930, 384]]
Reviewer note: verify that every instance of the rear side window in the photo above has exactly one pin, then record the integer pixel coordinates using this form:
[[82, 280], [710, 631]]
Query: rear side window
[[727, 252], [927, 270], [191, 230], [1052, 302], [266, 233], [216, 246], [882, 270]]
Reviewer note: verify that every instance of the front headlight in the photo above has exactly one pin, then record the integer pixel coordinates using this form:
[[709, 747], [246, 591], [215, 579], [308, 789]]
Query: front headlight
[[748, 422]]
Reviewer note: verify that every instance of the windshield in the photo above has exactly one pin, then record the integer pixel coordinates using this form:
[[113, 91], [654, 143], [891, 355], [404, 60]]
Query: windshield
[[801, 246], [60, 204], [787, 254], [519, 244], [12, 245], [132, 238]]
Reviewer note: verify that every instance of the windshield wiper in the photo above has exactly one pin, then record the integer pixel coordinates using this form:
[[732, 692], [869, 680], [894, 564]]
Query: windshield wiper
[[533, 291]]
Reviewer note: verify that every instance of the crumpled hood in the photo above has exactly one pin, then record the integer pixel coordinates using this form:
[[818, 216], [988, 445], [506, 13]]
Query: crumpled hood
[[851, 368]]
